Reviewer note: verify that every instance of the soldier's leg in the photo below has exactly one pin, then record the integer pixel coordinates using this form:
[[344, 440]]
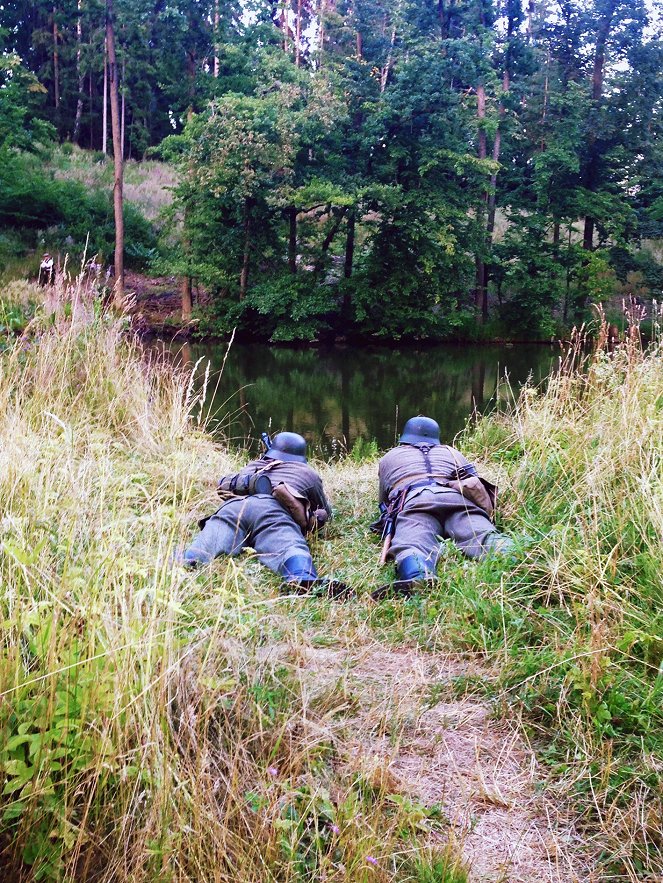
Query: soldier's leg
[[278, 541], [225, 533], [415, 545], [474, 533]]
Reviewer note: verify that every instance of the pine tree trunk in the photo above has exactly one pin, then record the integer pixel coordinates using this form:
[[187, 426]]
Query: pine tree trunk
[[480, 298], [79, 75], [123, 110], [597, 92], [104, 124], [117, 154], [56, 61], [556, 234]]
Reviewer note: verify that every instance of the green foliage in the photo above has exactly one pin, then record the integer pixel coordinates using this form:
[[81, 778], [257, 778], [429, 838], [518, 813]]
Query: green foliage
[[20, 125], [32, 202], [440, 868], [364, 450], [423, 163]]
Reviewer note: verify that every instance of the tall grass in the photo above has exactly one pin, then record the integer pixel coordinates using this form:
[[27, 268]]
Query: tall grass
[[585, 461], [154, 724], [147, 183], [144, 736]]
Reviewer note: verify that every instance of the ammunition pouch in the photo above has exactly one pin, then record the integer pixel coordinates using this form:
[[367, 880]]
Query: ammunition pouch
[[245, 485], [298, 506], [475, 489]]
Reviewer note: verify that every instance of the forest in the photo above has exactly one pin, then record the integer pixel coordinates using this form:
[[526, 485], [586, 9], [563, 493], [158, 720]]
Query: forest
[[385, 169]]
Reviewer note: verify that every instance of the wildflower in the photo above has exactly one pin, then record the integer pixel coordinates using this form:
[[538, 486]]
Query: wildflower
[[371, 860], [273, 771], [335, 829]]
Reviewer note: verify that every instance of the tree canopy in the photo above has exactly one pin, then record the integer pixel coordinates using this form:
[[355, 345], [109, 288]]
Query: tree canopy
[[398, 168]]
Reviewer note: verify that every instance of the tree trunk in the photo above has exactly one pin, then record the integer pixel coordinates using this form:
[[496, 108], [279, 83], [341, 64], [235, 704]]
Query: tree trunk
[[298, 33], [384, 75], [90, 107], [492, 196], [480, 298], [191, 74], [565, 313], [349, 245], [123, 108], [56, 61], [292, 239], [556, 234], [79, 75], [104, 124], [327, 241], [246, 260], [597, 92], [217, 20], [187, 300], [117, 154]]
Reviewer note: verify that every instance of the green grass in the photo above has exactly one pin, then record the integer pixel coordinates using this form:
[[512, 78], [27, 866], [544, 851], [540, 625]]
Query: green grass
[[147, 183], [147, 734]]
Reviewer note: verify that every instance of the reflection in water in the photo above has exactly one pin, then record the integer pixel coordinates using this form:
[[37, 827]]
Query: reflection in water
[[335, 396]]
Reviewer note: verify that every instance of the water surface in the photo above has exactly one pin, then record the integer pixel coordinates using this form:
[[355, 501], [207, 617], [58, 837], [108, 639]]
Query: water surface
[[338, 395]]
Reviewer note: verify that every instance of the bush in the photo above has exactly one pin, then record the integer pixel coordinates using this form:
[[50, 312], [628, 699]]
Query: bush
[[31, 201]]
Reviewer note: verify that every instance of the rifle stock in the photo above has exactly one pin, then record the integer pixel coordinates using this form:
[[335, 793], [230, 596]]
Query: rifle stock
[[385, 549]]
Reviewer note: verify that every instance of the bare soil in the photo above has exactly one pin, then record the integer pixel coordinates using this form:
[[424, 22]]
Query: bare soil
[[403, 728], [155, 301]]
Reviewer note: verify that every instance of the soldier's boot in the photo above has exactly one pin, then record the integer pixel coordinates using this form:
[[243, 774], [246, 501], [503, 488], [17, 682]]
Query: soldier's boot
[[302, 578], [411, 572], [192, 558]]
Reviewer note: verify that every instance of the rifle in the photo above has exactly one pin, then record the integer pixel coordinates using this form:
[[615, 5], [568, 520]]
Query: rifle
[[388, 527], [388, 517]]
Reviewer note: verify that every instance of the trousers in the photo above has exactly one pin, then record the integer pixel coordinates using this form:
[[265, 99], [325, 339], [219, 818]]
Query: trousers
[[434, 513], [258, 522]]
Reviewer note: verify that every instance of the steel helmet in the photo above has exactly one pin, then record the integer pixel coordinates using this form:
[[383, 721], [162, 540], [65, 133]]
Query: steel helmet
[[420, 430], [287, 446]]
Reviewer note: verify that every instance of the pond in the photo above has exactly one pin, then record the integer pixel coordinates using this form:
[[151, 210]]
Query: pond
[[335, 396]]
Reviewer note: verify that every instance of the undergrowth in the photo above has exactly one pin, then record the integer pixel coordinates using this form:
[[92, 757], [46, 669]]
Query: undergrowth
[[144, 736], [144, 732]]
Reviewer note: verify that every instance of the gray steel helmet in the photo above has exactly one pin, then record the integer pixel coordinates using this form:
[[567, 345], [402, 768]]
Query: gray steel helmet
[[287, 446], [420, 430]]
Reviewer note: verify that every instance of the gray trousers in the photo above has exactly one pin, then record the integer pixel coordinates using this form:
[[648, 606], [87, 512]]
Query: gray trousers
[[433, 513], [258, 522]]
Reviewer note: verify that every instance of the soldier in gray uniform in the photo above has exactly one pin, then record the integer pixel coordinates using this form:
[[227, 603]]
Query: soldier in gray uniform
[[430, 491], [270, 505]]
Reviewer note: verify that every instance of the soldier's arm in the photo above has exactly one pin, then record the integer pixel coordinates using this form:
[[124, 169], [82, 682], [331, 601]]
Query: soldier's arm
[[383, 489], [228, 482], [318, 498], [459, 459]]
